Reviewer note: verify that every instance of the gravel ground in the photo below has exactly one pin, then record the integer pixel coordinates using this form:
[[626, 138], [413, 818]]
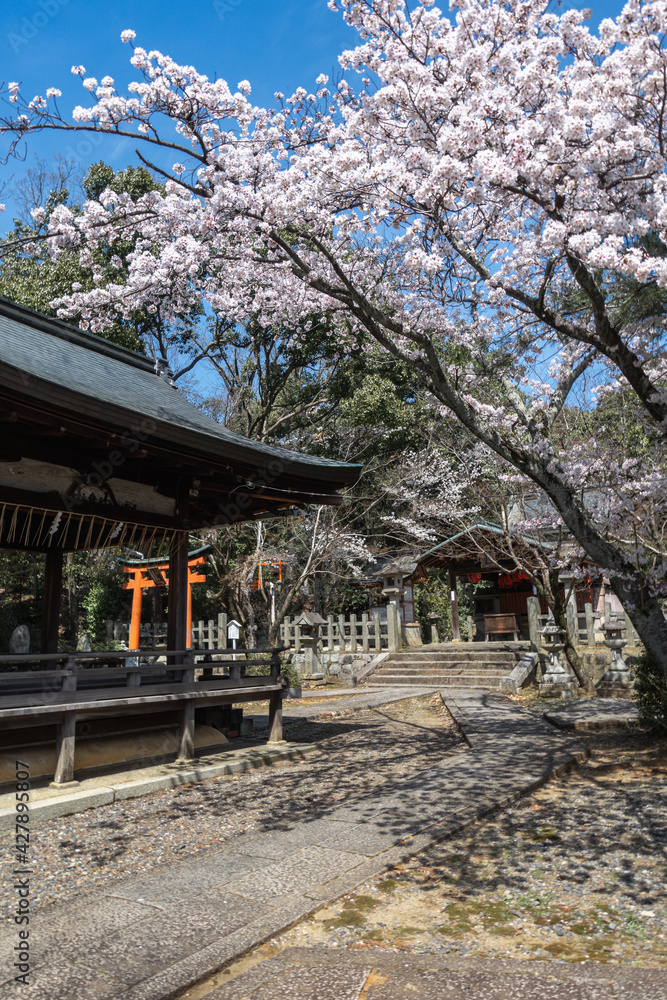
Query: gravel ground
[[574, 872], [361, 751]]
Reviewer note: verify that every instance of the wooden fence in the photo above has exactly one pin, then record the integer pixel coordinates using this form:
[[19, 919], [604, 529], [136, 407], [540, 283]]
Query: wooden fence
[[351, 633], [211, 634]]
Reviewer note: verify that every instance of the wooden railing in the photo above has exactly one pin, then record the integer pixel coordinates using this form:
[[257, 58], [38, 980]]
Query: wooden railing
[[30, 696]]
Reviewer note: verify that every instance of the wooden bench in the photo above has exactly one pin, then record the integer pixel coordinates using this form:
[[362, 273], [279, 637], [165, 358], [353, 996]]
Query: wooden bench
[[500, 625], [65, 696]]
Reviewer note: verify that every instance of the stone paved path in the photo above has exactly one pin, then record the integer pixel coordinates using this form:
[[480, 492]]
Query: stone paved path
[[335, 974], [152, 938], [338, 702]]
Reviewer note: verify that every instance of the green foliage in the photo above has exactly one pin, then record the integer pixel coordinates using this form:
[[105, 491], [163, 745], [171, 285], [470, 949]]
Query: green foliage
[[104, 597], [651, 692]]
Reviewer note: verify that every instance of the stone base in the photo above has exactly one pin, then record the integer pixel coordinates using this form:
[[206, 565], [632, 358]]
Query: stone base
[[411, 634], [558, 689]]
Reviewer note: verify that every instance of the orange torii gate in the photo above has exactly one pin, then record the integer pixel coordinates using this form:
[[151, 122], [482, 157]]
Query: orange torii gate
[[146, 573]]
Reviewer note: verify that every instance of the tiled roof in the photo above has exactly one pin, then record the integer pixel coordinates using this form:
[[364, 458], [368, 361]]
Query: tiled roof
[[99, 371]]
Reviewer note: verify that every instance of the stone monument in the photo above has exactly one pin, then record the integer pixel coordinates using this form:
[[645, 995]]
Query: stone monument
[[19, 643]]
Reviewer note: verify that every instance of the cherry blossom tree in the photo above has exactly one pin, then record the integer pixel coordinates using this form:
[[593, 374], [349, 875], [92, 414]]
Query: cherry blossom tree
[[469, 193]]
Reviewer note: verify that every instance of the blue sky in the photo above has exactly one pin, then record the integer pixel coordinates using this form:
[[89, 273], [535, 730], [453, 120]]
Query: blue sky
[[276, 44]]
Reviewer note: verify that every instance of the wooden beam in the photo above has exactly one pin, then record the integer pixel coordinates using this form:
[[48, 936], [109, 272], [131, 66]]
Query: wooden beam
[[53, 583]]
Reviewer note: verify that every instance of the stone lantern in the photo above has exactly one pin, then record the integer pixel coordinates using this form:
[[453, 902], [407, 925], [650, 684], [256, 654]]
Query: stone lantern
[[434, 618], [556, 680], [393, 590], [309, 623], [617, 679]]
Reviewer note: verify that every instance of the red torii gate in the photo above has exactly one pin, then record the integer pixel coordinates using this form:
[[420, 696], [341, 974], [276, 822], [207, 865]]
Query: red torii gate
[[146, 573]]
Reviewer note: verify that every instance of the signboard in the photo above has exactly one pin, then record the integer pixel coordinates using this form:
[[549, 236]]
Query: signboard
[[234, 630]]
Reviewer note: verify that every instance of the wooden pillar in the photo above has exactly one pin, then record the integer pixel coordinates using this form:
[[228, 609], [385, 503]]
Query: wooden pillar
[[188, 627], [135, 620], [456, 630], [276, 717], [177, 626], [53, 584]]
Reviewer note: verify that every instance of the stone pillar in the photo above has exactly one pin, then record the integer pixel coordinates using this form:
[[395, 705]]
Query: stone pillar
[[393, 628], [534, 623], [590, 625], [572, 619]]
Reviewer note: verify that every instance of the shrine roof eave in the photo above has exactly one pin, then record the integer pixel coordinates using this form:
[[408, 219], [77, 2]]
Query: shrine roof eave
[[203, 550], [438, 557], [48, 364]]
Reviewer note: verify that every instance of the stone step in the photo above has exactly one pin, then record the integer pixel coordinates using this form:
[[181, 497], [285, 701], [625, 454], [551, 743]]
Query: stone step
[[449, 665], [422, 672], [432, 678], [492, 654], [437, 680]]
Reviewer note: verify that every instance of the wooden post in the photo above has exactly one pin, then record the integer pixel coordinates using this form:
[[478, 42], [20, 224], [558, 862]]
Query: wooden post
[[65, 750], [342, 644], [222, 630], [186, 736], [177, 626], [590, 626], [276, 717], [534, 623], [135, 618], [377, 631], [364, 632], [65, 741], [53, 582], [456, 630], [353, 633]]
